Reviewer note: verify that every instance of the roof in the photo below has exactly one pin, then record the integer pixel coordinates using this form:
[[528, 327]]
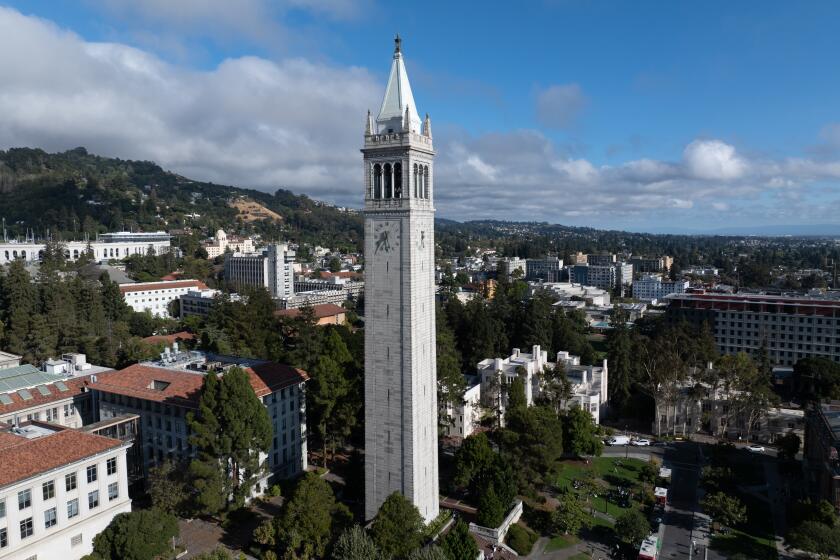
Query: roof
[[321, 310], [398, 96], [145, 286], [25, 375], [58, 390], [5, 356], [346, 274], [23, 458], [169, 338], [183, 387]]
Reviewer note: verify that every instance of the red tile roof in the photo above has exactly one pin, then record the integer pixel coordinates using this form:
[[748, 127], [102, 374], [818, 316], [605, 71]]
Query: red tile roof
[[23, 458], [75, 386], [321, 310], [146, 286], [184, 387], [169, 338]]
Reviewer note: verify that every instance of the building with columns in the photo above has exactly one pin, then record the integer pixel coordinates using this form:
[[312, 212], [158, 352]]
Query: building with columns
[[401, 452]]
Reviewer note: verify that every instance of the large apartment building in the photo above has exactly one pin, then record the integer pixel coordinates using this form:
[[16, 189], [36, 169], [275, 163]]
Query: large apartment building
[[59, 488], [790, 328], [653, 287]]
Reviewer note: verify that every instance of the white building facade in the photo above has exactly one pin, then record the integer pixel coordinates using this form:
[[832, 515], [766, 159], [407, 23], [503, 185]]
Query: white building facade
[[118, 245], [401, 426], [272, 269], [156, 297], [66, 488], [652, 287], [223, 242]]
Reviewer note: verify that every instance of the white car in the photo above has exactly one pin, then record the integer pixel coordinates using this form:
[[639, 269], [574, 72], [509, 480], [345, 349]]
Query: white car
[[640, 442], [755, 448]]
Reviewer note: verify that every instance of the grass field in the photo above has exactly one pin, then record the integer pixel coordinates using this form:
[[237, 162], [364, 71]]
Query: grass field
[[613, 471]]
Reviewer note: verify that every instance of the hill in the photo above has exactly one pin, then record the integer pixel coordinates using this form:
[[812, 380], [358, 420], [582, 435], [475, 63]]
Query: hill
[[74, 193]]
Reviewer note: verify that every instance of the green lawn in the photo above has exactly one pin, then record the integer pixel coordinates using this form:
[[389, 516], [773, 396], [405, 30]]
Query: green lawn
[[561, 541], [605, 468]]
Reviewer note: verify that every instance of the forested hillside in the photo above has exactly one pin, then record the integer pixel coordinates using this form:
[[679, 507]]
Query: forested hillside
[[74, 192]]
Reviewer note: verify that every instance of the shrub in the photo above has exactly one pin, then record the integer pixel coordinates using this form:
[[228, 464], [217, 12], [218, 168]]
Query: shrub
[[521, 539]]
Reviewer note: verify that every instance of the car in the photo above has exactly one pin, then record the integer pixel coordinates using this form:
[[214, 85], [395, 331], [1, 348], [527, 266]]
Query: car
[[618, 440], [755, 448], [640, 442]]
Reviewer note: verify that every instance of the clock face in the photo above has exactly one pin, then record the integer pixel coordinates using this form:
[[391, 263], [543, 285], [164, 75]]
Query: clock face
[[386, 236]]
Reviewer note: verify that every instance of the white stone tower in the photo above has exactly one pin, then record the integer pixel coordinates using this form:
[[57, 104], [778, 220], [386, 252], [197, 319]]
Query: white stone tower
[[401, 453]]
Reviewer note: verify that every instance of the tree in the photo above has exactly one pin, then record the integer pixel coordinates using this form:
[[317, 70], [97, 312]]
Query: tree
[[458, 544], [309, 519], [556, 389], [138, 535], [230, 431], [516, 394], [632, 527], [167, 488], [355, 544], [580, 433], [491, 509], [533, 439], [813, 536], [648, 473], [450, 380], [788, 445], [398, 526], [327, 388], [473, 457], [569, 517], [620, 358], [725, 509], [428, 553], [215, 554]]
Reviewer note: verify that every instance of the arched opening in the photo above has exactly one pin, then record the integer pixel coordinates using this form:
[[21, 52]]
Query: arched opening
[[7, 255], [75, 254], [426, 182], [398, 180], [23, 255], [416, 190], [40, 255], [389, 181], [14, 254]]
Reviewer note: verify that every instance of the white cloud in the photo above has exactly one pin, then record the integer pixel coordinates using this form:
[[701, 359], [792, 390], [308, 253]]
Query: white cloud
[[713, 159], [298, 124], [558, 106], [249, 121]]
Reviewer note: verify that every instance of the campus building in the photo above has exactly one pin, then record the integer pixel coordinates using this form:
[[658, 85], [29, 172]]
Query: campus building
[[163, 393], [106, 246], [547, 269], [222, 242], [820, 450], [653, 287], [59, 488], [272, 269], [156, 297], [790, 328]]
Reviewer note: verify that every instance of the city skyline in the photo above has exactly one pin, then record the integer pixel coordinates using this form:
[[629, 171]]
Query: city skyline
[[607, 116]]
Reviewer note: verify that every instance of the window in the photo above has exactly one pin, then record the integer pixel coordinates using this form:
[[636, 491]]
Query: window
[[70, 481], [24, 499], [48, 489], [113, 491], [49, 518], [2, 509], [112, 465], [93, 499], [4, 538], [26, 528], [91, 473], [73, 508]]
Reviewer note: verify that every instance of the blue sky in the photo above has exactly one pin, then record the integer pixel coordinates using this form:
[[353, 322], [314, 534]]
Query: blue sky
[[611, 114]]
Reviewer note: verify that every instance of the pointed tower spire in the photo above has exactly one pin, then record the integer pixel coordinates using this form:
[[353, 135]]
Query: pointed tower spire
[[427, 126], [398, 98], [369, 124]]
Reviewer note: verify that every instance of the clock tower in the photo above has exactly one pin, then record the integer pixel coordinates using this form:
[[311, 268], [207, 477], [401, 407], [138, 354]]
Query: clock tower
[[401, 452]]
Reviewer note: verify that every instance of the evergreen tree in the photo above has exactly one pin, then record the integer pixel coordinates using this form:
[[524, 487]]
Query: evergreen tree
[[208, 471], [620, 358], [516, 394], [569, 517], [580, 433], [309, 519], [458, 544], [355, 544], [428, 553], [398, 526], [450, 380], [138, 535]]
